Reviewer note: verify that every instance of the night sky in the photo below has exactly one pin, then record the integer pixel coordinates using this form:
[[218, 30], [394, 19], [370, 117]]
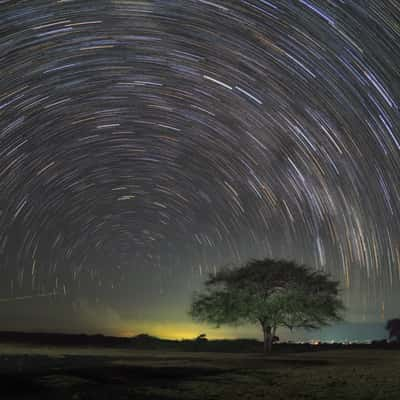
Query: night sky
[[144, 144]]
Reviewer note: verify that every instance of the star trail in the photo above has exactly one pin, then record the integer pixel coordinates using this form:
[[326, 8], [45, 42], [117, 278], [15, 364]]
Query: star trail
[[144, 144]]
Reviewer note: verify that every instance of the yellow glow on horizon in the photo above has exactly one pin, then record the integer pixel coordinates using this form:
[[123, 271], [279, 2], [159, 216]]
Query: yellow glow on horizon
[[180, 330]]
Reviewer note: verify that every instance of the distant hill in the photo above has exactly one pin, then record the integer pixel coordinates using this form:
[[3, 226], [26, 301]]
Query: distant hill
[[148, 342]]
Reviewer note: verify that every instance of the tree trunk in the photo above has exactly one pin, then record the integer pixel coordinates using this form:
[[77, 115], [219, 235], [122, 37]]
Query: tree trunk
[[268, 337]]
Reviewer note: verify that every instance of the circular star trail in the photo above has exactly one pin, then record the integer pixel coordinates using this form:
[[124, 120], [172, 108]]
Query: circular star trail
[[144, 144]]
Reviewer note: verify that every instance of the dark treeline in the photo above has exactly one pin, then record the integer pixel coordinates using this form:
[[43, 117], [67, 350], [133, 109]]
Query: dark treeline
[[147, 342]]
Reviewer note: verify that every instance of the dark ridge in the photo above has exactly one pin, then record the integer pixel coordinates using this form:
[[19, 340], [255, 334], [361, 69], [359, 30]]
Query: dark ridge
[[147, 342]]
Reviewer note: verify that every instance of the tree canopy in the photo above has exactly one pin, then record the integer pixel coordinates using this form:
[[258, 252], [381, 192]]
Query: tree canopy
[[393, 327], [271, 293]]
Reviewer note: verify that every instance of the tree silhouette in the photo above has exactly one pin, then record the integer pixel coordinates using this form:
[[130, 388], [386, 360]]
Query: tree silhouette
[[270, 293], [393, 327]]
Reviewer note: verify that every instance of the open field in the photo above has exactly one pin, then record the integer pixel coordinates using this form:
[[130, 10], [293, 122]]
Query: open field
[[96, 373]]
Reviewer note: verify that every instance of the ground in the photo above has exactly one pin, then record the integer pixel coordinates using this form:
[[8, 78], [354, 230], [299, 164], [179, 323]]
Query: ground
[[95, 373]]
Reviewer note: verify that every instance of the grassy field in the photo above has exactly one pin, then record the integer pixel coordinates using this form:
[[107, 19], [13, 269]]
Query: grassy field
[[95, 373]]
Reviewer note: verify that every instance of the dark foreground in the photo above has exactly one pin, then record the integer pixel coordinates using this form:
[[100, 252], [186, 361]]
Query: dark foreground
[[85, 373]]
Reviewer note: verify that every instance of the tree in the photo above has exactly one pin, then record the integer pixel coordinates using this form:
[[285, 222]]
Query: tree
[[393, 327], [270, 293], [202, 338]]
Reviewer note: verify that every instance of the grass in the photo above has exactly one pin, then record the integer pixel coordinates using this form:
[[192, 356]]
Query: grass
[[97, 373]]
